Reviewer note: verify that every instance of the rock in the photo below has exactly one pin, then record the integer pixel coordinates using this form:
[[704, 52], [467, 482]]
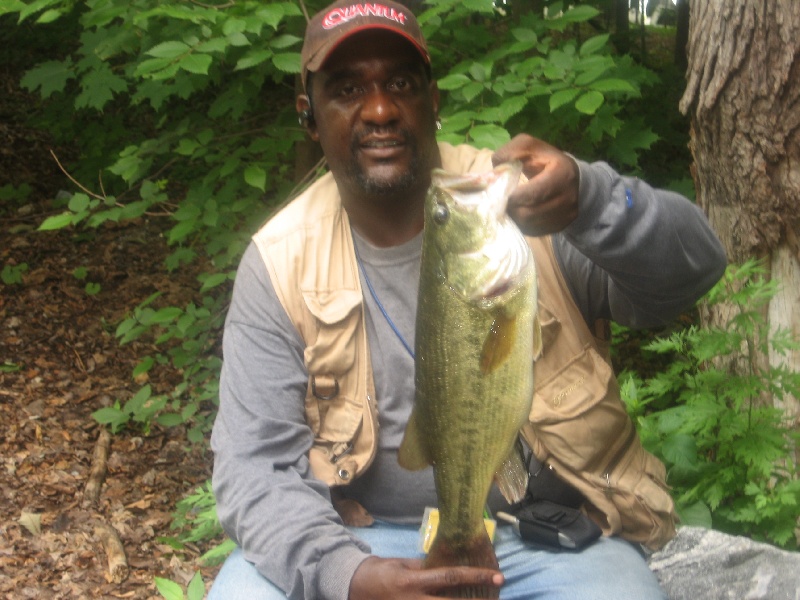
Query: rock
[[702, 564]]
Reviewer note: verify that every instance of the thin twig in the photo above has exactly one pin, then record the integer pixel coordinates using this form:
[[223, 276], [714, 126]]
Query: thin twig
[[73, 180]]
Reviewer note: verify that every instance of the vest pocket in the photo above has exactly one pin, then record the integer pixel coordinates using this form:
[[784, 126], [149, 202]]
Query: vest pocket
[[637, 489], [333, 413], [575, 416]]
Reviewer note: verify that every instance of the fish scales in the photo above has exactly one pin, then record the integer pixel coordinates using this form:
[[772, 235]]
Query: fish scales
[[475, 336]]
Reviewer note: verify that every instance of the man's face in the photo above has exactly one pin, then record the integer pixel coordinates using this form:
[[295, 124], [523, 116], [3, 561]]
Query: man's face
[[375, 113]]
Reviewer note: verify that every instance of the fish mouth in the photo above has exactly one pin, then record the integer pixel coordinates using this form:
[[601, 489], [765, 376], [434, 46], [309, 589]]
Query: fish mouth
[[481, 191], [503, 265]]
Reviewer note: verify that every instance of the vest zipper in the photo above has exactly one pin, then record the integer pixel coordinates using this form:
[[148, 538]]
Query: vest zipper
[[618, 455]]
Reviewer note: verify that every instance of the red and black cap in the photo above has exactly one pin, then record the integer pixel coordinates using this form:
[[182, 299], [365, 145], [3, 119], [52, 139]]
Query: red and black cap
[[331, 26]]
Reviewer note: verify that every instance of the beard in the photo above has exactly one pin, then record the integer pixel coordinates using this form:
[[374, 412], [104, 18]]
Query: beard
[[390, 184]]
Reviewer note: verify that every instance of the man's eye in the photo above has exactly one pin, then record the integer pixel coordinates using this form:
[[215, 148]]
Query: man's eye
[[349, 90], [400, 84]]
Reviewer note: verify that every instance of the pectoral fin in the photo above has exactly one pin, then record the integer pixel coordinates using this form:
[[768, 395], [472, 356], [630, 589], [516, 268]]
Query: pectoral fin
[[499, 342], [512, 476], [412, 454]]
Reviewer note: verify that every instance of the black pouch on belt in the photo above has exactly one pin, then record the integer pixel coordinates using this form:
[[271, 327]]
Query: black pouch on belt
[[544, 523], [550, 514]]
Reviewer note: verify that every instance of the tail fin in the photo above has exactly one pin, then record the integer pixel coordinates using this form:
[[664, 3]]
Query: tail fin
[[476, 552]]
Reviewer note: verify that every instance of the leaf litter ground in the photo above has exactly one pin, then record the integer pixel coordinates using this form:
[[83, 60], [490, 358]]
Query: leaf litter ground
[[59, 362]]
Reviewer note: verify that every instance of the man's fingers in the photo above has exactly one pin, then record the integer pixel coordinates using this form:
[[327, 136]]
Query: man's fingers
[[444, 578], [521, 147]]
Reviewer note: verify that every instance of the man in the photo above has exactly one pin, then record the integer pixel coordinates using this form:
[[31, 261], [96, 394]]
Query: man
[[300, 423]]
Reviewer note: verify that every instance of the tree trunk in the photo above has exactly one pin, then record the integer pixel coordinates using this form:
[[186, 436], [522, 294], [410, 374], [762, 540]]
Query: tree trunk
[[622, 29], [682, 34], [743, 97]]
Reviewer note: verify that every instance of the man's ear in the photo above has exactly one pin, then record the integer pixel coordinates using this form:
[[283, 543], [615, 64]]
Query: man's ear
[[306, 116]]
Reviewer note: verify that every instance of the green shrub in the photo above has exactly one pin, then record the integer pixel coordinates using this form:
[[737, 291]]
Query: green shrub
[[186, 110], [730, 454]]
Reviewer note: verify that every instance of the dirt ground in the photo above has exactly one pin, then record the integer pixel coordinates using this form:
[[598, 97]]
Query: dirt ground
[[59, 362]]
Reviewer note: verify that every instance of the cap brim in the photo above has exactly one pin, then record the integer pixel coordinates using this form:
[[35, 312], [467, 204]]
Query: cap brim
[[316, 61]]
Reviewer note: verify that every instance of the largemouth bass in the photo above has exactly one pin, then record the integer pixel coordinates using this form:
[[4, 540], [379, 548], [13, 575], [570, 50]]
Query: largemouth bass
[[475, 336]]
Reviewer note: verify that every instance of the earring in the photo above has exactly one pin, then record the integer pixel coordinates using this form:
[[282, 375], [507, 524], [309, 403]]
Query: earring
[[305, 118], [438, 124]]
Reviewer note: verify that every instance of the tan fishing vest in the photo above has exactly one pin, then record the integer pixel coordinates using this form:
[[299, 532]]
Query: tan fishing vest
[[578, 423]]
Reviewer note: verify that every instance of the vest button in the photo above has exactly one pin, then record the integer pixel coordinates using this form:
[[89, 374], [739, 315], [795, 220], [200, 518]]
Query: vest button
[[344, 474]]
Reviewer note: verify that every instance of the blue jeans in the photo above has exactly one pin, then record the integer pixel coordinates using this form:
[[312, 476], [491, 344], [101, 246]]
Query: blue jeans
[[609, 569]]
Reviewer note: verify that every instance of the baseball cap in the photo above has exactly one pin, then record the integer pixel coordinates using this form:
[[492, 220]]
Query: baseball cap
[[338, 21]]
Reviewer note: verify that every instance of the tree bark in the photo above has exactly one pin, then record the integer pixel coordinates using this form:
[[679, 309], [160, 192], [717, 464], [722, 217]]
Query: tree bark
[[622, 30], [743, 97], [682, 34]]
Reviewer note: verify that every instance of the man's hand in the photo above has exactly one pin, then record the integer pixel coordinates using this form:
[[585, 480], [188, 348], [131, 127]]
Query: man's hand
[[548, 202], [405, 579]]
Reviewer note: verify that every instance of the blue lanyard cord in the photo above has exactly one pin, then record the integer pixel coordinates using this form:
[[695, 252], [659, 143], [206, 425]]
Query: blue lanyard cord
[[380, 306]]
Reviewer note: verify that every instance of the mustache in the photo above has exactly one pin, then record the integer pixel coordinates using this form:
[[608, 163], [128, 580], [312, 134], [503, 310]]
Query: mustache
[[363, 133]]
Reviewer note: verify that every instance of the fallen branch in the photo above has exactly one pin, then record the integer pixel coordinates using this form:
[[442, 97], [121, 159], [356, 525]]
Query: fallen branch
[[115, 552], [91, 493]]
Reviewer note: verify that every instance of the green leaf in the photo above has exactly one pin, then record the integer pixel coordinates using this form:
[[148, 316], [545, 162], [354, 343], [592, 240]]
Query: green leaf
[[489, 136], [680, 449], [212, 280], [78, 202], [579, 13], [181, 231], [153, 65], [48, 77], [195, 63], [287, 62], [453, 82], [593, 44], [234, 25], [9, 367], [165, 315], [501, 114], [169, 419], [525, 35], [590, 75], [479, 72], [49, 16], [9, 6], [282, 42], [613, 85], [272, 14], [56, 222], [256, 177], [170, 50], [696, 515], [471, 90], [196, 589], [135, 404], [169, 589], [33, 7], [589, 102], [144, 366], [252, 59], [99, 86], [561, 97], [112, 416]]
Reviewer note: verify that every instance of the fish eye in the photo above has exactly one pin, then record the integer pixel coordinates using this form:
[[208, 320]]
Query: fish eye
[[441, 214]]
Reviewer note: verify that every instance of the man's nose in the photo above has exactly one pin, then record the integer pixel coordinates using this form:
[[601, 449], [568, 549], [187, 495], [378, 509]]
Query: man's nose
[[379, 107]]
